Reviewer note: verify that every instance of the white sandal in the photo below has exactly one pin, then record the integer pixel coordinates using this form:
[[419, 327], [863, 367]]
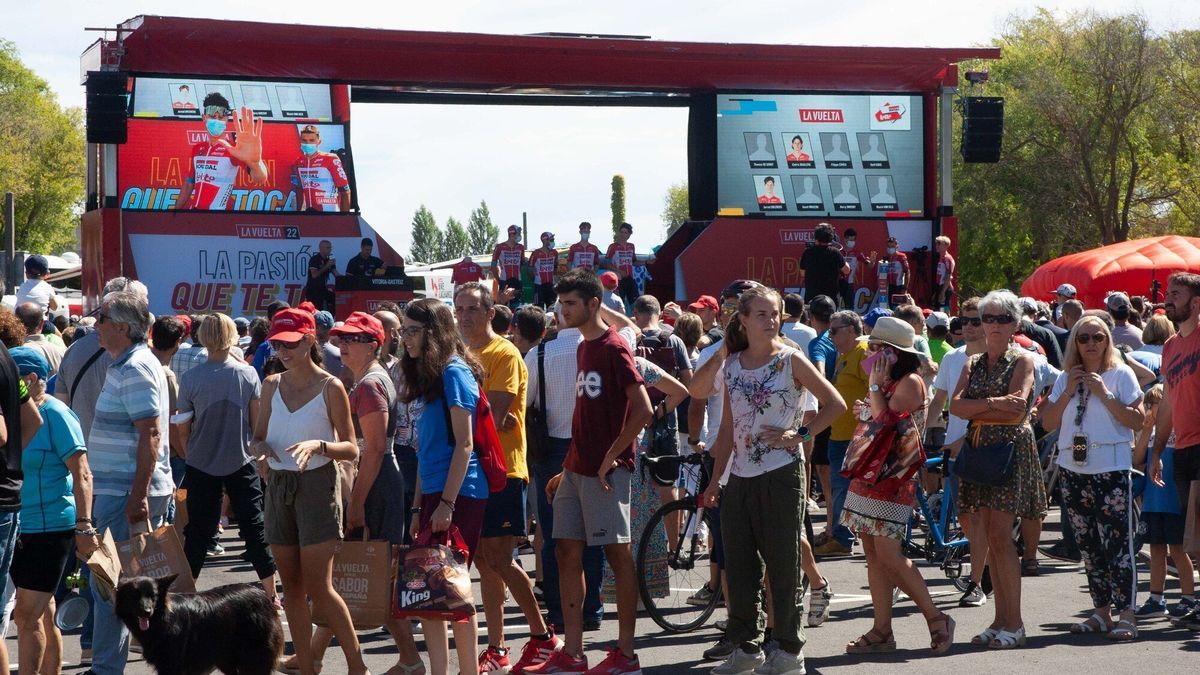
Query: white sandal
[[1008, 639], [1084, 627], [985, 638]]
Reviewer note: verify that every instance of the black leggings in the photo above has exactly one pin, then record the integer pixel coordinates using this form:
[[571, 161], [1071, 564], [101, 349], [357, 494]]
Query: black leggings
[[204, 499]]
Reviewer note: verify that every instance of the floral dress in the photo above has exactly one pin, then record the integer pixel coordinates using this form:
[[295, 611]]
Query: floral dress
[[643, 503], [1025, 493]]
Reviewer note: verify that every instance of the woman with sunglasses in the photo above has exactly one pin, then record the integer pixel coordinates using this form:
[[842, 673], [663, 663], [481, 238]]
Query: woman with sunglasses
[[1096, 405], [451, 486], [994, 394], [304, 425]]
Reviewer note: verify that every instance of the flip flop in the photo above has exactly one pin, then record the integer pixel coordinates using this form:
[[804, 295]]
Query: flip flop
[[1124, 631], [1086, 626], [872, 643]]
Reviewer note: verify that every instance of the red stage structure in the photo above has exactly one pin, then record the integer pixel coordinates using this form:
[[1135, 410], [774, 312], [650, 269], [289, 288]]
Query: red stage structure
[[1129, 266]]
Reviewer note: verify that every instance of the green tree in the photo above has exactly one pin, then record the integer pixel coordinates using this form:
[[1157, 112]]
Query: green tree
[[454, 241], [618, 202], [675, 207], [482, 235], [426, 237], [42, 157]]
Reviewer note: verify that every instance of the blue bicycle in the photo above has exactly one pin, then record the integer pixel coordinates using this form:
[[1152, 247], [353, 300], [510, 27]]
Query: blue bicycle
[[936, 517]]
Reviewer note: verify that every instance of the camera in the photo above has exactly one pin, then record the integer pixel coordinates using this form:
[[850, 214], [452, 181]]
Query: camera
[[1079, 449]]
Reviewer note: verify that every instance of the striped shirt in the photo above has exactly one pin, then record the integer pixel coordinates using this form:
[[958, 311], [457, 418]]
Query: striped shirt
[[135, 388]]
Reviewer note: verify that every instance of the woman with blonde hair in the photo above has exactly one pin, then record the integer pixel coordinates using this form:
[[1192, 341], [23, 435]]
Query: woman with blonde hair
[[1096, 405]]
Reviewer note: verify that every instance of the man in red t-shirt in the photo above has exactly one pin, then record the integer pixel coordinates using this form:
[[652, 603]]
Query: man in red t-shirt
[[466, 270], [507, 259], [583, 255], [591, 495], [897, 270], [544, 263], [1181, 400], [621, 255]]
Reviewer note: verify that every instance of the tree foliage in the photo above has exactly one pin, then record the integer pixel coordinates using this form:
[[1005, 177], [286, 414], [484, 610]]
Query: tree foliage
[[675, 207], [482, 235], [1100, 143], [618, 202], [42, 157], [454, 240], [426, 237]]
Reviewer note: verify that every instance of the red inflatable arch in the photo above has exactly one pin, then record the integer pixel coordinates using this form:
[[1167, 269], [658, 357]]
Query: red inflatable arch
[[1129, 266]]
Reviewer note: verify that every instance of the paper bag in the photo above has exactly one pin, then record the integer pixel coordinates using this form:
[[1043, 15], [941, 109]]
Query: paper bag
[[105, 566], [362, 575], [432, 580], [157, 554], [1191, 528]]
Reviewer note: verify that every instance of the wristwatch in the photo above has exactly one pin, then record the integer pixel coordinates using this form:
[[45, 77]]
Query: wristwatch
[[802, 432], [874, 388]]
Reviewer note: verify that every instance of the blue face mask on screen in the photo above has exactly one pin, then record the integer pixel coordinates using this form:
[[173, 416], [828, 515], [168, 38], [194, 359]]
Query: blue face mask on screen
[[308, 148], [215, 127]]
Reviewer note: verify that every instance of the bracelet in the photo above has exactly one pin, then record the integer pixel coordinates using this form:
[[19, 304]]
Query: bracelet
[[89, 521], [89, 532], [415, 509], [324, 449], [449, 504]]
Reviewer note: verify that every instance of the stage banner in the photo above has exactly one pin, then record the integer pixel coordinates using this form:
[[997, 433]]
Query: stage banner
[[235, 263]]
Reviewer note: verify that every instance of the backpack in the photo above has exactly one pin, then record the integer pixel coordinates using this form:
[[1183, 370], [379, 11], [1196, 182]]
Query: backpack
[[485, 442], [657, 349]]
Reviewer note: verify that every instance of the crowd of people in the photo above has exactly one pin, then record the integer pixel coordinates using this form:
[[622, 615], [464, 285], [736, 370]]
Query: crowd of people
[[305, 430]]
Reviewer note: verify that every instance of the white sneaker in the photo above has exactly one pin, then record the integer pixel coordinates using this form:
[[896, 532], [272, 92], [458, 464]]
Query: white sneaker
[[782, 663], [740, 662]]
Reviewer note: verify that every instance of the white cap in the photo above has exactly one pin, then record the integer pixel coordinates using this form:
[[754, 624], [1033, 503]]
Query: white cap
[[1028, 304], [936, 319], [1067, 290]]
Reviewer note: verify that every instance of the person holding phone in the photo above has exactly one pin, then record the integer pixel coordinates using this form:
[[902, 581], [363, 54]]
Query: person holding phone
[[1096, 405]]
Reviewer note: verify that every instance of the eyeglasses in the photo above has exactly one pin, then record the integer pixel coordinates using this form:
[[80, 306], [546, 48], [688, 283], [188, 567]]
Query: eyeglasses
[[1002, 319], [834, 329], [361, 338], [1085, 338], [412, 331], [101, 317], [971, 321], [278, 345]]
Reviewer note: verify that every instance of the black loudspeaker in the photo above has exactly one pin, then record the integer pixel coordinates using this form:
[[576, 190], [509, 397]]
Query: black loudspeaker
[[982, 129], [107, 107]]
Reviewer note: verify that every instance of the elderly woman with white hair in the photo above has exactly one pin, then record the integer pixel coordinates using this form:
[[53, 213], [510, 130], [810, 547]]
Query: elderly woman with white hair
[[995, 393]]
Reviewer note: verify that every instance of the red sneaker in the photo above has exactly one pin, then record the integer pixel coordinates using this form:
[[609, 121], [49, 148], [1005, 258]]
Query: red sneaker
[[560, 663], [616, 663], [494, 660], [537, 652]]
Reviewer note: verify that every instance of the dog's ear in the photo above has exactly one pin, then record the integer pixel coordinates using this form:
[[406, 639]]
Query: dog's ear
[[164, 584]]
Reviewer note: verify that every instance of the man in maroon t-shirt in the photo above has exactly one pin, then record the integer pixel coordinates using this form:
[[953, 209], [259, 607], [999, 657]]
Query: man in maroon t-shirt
[[591, 495]]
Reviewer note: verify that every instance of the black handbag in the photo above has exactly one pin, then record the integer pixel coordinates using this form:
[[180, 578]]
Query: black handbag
[[537, 426], [991, 465]]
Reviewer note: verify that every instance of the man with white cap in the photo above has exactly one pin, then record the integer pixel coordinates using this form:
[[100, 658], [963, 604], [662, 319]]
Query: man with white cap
[[1123, 333], [1064, 293]]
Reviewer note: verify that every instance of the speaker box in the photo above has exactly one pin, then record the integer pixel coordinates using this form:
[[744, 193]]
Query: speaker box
[[107, 105], [982, 129]]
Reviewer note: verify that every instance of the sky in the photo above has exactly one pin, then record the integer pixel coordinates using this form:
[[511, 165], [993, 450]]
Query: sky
[[553, 164]]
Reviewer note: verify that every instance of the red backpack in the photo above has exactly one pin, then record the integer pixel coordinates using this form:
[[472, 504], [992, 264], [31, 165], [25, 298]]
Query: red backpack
[[485, 442]]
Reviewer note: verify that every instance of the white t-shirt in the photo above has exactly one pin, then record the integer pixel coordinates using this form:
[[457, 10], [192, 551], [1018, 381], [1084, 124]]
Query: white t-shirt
[[800, 334], [760, 398], [36, 291], [714, 407], [948, 375], [1111, 443]]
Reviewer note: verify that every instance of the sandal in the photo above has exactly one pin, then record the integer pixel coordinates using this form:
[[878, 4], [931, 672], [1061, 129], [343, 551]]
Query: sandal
[[1008, 639], [1029, 568], [940, 640], [417, 668], [1124, 631], [291, 666], [1096, 623], [872, 642], [985, 638]]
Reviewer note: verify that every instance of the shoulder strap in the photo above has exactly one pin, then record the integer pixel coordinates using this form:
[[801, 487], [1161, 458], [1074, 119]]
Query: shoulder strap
[[541, 358], [82, 371]]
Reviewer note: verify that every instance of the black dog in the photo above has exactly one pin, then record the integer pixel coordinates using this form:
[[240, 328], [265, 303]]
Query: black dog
[[234, 628]]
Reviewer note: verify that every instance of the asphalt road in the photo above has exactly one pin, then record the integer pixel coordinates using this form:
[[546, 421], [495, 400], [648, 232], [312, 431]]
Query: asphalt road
[[1052, 602]]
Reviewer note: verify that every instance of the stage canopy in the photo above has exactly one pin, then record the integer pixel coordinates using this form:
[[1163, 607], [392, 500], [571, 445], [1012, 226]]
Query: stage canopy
[[1130, 266]]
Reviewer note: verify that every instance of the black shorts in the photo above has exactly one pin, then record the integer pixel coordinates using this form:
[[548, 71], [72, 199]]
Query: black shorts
[[40, 559], [628, 290], [505, 513], [820, 455], [544, 295], [1163, 528]]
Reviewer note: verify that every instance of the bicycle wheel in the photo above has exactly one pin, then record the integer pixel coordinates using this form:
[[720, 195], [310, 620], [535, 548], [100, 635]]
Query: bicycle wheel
[[675, 608]]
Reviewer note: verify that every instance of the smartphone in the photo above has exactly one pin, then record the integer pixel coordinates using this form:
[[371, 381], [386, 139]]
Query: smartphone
[[1079, 449], [889, 354], [869, 362]]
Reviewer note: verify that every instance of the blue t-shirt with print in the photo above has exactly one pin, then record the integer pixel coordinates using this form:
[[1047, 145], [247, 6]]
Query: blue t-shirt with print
[[434, 451], [48, 493], [822, 350]]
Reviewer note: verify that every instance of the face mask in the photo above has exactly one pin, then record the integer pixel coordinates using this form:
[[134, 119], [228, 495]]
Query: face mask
[[583, 236], [850, 244], [215, 127], [308, 148], [891, 250]]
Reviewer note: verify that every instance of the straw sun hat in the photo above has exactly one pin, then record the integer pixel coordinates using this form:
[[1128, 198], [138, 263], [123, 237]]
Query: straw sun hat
[[893, 332]]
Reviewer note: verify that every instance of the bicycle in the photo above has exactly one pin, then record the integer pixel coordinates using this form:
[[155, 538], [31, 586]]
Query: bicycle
[[945, 545], [688, 557]]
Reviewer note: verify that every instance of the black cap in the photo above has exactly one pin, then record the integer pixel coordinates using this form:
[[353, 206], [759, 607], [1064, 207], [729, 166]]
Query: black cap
[[37, 265], [738, 287], [822, 307]]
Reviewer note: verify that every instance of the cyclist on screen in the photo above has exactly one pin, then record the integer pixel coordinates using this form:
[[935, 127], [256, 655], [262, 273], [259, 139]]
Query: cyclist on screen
[[216, 162], [318, 178]]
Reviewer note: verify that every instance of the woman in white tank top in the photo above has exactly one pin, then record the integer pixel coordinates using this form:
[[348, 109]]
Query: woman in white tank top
[[304, 426]]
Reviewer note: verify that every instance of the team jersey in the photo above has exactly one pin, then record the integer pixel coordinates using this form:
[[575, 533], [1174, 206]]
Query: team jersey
[[583, 255], [802, 157], [620, 257], [544, 264], [856, 261], [945, 269], [507, 259], [769, 199], [213, 173], [466, 271], [897, 269], [319, 178]]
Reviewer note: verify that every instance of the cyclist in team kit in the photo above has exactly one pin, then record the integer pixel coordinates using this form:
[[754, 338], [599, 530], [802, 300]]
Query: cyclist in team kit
[[318, 178], [544, 262], [216, 162]]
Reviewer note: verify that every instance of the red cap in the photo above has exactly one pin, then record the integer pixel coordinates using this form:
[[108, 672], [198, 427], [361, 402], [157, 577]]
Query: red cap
[[609, 279], [925, 311], [308, 307], [360, 322], [187, 323], [705, 302], [289, 325]]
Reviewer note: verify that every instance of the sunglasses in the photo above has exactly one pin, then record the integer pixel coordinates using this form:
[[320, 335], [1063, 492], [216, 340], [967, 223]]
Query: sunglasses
[[1085, 338], [834, 329], [412, 331], [1001, 319], [216, 110], [361, 338], [971, 321], [278, 345]]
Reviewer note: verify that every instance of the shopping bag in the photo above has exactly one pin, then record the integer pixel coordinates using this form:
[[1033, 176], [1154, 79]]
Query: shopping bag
[[432, 579], [1191, 529], [105, 566], [157, 554], [362, 575]]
